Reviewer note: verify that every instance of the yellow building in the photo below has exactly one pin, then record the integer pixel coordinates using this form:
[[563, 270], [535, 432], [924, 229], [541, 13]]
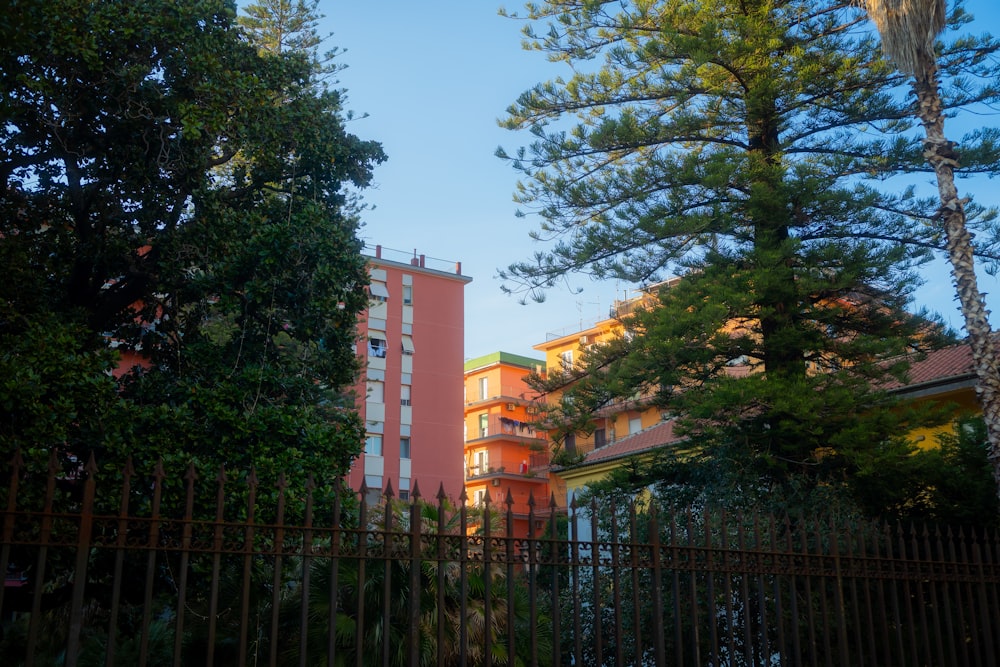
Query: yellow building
[[632, 428], [621, 429], [624, 418], [945, 376]]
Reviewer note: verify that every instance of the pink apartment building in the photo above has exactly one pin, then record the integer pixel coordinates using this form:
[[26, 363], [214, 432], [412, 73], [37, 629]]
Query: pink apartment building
[[412, 349]]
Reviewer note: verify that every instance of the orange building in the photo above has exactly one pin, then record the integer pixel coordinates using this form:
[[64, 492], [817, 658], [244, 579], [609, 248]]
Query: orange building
[[504, 454], [412, 347]]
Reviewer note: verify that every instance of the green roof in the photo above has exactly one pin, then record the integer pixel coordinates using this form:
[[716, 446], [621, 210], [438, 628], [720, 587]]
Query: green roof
[[505, 358]]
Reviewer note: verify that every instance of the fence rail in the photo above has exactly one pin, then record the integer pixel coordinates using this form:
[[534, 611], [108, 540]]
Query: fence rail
[[123, 568]]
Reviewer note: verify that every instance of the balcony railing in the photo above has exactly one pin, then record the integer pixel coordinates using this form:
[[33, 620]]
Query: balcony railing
[[514, 393], [498, 425], [534, 465]]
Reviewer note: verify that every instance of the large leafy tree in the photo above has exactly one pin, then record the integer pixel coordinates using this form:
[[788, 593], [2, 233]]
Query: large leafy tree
[[177, 208], [750, 147], [908, 31]]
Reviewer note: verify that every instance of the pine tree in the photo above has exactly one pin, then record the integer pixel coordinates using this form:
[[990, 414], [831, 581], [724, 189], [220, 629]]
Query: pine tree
[[750, 147], [289, 28]]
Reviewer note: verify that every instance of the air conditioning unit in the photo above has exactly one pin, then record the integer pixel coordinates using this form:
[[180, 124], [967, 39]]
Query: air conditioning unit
[[584, 340], [532, 410], [510, 407], [496, 482]]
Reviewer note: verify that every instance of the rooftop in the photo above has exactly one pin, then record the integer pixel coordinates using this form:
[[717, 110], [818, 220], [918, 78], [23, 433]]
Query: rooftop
[[941, 370], [646, 440], [528, 363]]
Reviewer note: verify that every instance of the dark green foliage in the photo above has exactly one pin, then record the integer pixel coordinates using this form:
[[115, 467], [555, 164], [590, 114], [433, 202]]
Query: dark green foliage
[[752, 148], [173, 190], [956, 486]]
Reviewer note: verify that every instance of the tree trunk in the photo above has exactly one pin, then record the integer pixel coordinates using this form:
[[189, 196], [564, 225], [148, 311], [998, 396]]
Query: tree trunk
[[940, 153]]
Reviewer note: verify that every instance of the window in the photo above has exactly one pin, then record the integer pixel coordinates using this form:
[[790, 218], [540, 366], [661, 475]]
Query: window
[[377, 347], [484, 425], [376, 391], [484, 388], [407, 344], [404, 495], [374, 494], [404, 448], [566, 359], [570, 443], [407, 294], [404, 394], [378, 291], [600, 437], [373, 445], [634, 425]]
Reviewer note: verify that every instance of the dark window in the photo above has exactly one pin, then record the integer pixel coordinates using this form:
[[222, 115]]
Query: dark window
[[377, 347]]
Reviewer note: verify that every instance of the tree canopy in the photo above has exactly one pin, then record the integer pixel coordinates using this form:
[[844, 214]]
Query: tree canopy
[[179, 198], [755, 149]]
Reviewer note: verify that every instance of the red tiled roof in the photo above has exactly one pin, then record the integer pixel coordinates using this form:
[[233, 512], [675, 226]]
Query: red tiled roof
[[938, 367], [645, 440]]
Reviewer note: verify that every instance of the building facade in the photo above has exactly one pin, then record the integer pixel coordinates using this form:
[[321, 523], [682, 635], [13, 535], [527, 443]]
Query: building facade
[[505, 456], [622, 419], [411, 343]]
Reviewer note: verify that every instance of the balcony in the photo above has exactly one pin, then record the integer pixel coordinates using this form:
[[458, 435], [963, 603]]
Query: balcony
[[509, 393], [506, 428], [535, 465]]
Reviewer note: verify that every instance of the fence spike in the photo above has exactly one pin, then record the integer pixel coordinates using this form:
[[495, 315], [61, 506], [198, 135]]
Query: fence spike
[[192, 474], [415, 491], [91, 467], [441, 495], [363, 493], [310, 482], [388, 493], [509, 500], [531, 499]]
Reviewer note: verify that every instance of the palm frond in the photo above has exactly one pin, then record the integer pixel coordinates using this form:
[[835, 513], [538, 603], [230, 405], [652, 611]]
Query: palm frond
[[907, 28]]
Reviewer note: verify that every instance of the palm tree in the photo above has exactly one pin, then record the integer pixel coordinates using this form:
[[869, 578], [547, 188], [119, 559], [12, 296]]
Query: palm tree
[[908, 29]]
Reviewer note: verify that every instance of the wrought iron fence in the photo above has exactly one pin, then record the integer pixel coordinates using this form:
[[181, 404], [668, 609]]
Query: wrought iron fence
[[156, 568]]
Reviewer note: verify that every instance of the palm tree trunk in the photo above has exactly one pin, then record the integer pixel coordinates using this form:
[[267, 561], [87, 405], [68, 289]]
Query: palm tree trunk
[[940, 154]]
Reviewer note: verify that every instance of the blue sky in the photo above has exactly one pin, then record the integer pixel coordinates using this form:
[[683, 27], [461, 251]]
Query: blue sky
[[434, 77]]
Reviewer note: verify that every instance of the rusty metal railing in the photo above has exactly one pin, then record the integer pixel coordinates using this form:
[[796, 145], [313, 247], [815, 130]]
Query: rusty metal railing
[[163, 567]]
